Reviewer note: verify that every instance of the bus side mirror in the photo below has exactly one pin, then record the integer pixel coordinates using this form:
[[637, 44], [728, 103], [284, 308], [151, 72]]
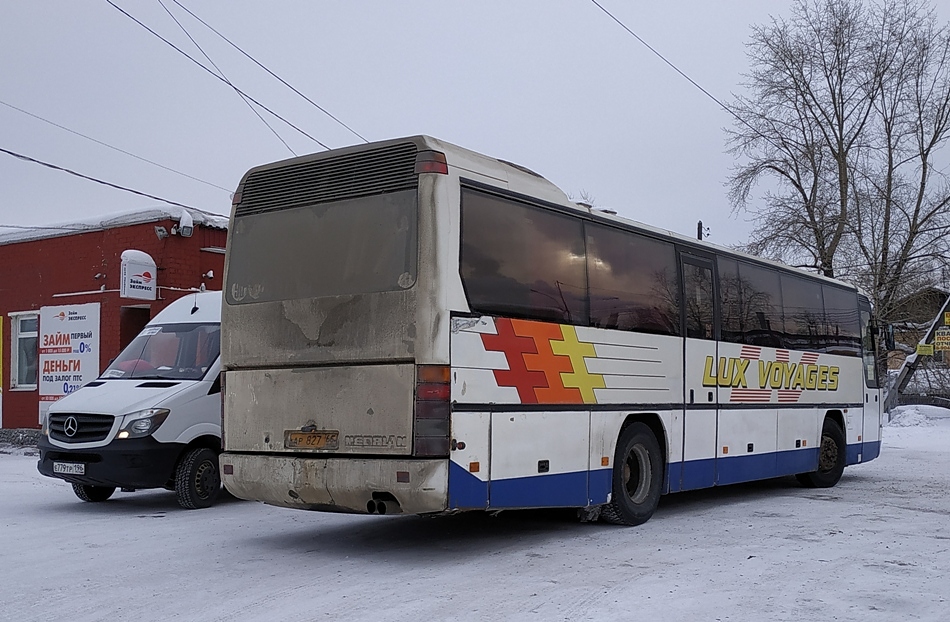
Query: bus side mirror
[[887, 336]]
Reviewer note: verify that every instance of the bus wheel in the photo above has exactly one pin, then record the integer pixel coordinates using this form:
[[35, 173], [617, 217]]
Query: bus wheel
[[637, 477], [197, 480], [93, 493], [832, 455]]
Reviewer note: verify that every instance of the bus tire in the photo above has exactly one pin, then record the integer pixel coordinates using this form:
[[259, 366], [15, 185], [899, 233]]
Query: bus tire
[[832, 455], [93, 494], [637, 477], [197, 479]]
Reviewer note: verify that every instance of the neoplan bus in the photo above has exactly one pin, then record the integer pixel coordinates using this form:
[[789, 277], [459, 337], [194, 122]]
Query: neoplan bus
[[411, 327]]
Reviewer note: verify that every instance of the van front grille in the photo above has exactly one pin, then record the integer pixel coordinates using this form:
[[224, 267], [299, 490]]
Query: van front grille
[[79, 427]]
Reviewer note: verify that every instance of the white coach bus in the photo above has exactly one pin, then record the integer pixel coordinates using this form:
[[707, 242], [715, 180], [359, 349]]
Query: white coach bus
[[411, 327]]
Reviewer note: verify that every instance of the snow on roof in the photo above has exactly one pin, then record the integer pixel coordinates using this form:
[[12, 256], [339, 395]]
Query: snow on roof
[[111, 221]]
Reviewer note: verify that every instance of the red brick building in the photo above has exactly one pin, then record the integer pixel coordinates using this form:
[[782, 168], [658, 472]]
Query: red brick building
[[79, 264]]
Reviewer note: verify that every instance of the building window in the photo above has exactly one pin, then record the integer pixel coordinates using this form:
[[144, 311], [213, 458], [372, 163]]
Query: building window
[[24, 351]]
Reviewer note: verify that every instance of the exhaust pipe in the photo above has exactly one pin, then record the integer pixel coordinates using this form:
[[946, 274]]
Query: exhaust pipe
[[376, 507]]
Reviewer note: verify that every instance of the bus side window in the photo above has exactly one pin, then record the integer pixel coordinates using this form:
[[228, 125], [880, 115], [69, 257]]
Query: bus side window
[[804, 315], [698, 303], [760, 303], [522, 261], [633, 281]]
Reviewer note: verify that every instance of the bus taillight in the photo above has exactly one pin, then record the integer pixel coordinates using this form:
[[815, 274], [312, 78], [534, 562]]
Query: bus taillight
[[431, 162], [432, 409], [223, 393]]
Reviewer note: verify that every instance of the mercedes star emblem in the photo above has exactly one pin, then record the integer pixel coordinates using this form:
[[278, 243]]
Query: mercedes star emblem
[[71, 426]]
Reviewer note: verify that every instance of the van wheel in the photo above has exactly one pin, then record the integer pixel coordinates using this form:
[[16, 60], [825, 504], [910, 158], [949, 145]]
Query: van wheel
[[832, 455], [197, 479], [93, 493], [637, 477]]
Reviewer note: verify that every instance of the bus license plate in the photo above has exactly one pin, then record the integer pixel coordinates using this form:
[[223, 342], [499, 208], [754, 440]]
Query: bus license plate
[[324, 439], [69, 468]]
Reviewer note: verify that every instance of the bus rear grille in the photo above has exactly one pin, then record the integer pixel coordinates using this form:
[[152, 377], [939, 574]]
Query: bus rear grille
[[79, 427], [375, 171]]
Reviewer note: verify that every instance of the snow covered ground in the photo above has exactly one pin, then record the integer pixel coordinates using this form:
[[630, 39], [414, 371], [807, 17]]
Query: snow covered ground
[[876, 547]]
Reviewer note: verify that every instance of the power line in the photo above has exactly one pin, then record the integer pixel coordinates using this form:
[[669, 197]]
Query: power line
[[690, 80], [284, 82], [218, 69], [98, 181], [122, 151], [197, 62], [663, 58]]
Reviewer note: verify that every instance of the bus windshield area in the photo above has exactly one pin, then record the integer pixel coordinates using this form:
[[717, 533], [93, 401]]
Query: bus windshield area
[[168, 352]]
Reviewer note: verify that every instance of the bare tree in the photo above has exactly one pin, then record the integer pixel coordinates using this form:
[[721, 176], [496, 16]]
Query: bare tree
[[848, 110], [900, 220], [813, 84]]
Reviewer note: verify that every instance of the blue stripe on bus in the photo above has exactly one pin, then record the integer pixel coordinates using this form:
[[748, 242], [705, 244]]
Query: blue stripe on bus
[[735, 469], [582, 488], [871, 450], [539, 491], [862, 452], [466, 492], [601, 483], [577, 489], [696, 474]]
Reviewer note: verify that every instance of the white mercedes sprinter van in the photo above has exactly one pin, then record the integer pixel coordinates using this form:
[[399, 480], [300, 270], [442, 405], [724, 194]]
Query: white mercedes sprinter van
[[153, 418]]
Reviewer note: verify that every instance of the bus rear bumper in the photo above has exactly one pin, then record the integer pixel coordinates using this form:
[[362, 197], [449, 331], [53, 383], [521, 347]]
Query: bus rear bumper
[[356, 486]]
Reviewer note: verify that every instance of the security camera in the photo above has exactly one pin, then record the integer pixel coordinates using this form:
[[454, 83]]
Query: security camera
[[186, 226]]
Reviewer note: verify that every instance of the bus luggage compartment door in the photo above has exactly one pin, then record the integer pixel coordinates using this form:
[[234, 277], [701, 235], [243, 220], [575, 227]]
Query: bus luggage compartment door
[[539, 459]]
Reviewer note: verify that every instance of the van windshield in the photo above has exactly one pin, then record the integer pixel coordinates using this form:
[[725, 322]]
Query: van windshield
[[168, 352]]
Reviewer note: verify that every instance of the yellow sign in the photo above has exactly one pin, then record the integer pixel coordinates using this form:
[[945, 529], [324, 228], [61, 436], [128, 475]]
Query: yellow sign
[[925, 349], [946, 318]]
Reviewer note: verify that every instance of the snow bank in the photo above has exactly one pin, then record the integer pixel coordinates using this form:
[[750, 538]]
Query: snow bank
[[917, 416], [908, 417], [13, 450]]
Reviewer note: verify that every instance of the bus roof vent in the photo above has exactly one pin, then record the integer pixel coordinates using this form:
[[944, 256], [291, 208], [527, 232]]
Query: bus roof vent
[[322, 180]]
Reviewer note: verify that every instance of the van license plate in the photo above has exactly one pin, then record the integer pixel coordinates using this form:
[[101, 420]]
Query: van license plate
[[69, 468], [324, 439]]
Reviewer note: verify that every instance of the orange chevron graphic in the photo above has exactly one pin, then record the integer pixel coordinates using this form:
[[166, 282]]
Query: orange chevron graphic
[[545, 362]]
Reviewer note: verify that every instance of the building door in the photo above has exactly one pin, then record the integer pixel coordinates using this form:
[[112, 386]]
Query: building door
[[131, 322]]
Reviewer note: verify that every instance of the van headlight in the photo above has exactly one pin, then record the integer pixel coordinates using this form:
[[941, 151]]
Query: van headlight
[[142, 423]]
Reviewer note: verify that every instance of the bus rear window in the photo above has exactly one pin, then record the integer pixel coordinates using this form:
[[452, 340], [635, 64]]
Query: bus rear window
[[355, 246]]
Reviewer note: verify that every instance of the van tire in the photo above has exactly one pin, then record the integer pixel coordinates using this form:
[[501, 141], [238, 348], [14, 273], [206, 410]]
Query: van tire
[[197, 479], [638, 464], [832, 456], [93, 494]]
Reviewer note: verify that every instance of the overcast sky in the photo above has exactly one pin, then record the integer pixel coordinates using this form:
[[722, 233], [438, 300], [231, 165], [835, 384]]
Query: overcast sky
[[556, 86]]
